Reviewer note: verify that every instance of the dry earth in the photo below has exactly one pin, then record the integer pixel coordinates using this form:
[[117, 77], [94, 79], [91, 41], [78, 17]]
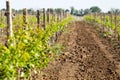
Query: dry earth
[[87, 56]]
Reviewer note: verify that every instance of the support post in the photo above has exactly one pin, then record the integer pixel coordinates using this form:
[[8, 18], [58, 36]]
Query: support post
[[115, 20], [38, 18], [25, 18], [9, 20], [48, 16], [54, 15], [44, 19], [61, 15]]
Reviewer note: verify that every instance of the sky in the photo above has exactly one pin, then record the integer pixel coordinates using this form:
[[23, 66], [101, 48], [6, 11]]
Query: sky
[[105, 5]]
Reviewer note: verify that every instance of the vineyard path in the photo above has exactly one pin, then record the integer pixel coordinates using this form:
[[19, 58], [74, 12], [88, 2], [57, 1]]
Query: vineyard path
[[87, 56]]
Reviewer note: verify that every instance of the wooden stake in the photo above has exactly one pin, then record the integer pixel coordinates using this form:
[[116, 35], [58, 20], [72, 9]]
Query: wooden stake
[[25, 18], [101, 21], [61, 15], [48, 16], [111, 21], [104, 21], [66, 14], [118, 31], [54, 15], [44, 19], [38, 18], [58, 17], [115, 21], [9, 19], [1, 15]]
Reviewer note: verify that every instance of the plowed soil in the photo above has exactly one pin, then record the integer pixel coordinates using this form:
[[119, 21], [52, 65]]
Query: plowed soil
[[87, 56]]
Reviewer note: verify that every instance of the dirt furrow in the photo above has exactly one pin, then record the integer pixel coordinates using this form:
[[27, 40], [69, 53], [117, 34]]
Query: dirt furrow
[[107, 52], [85, 57]]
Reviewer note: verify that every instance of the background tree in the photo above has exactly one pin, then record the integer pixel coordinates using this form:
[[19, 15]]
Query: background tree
[[72, 10], [3, 9], [67, 10], [95, 9], [113, 11], [31, 11], [51, 10], [76, 12], [81, 12], [87, 11], [58, 10]]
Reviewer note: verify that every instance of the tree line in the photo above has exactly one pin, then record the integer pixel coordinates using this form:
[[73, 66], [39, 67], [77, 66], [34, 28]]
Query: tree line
[[73, 11], [93, 9], [33, 11]]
